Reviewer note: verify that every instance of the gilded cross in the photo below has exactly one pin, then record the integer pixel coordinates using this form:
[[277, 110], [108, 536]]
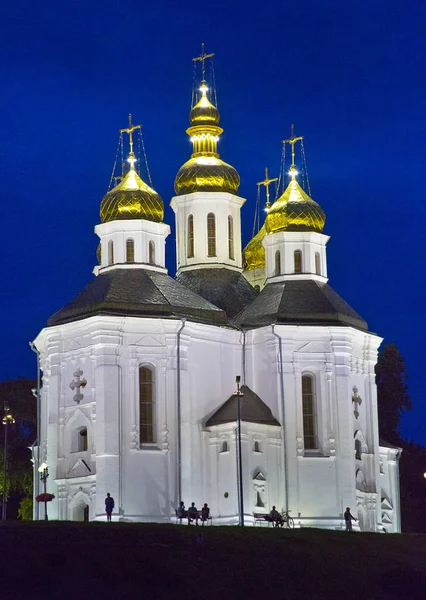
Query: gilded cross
[[130, 129], [76, 384], [292, 141], [266, 182], [357, 401], [202, 58]]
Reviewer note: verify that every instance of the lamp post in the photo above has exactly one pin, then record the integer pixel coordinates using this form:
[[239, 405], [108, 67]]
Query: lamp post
[[7, 420], [44, 474], [240, 454]]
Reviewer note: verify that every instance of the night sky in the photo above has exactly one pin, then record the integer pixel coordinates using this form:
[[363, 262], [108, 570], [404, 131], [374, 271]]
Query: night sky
[[350, 75]]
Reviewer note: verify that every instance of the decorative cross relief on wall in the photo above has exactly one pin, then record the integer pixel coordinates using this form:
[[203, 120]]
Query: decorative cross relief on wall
[[76, 384], [357, 401]]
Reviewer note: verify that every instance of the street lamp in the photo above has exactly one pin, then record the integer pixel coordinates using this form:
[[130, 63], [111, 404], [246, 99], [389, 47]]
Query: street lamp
[[44, 474], [7, 420], [238, 393]]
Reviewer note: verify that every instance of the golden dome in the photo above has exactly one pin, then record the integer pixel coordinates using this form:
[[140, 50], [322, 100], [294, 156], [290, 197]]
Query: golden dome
[[204, 112], [204, 171], [132, 199], [206, 174], [295, 211], [254, 252]]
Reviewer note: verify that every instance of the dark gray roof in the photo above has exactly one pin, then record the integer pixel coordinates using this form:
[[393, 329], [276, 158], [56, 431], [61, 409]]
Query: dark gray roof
[[253, 410], [384, 444], [304, 302], [138, 292], [225, 288]]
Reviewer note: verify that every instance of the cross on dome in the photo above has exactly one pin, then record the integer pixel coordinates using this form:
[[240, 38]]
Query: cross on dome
[[202, 59], [266, 182], [130, 129], [292, 141]]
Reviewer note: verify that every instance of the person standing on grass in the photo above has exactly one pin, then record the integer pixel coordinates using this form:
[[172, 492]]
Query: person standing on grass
[[348, 519], [109, 505]]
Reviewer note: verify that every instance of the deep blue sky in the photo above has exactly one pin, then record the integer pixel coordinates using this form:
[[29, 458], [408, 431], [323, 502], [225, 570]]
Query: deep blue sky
[[350, 75]]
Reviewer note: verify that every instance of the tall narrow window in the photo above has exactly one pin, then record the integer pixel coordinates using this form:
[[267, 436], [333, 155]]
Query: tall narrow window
[[146, 406], [317, 263], [231, 237], [110, 252], [309, 413], [151, 251], [297, 261], [130, 251], [82, 440], [190, 237], [211, 235], [277, 262]]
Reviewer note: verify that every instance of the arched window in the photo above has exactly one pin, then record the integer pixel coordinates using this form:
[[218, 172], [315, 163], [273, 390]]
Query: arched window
[[224, 447], [309, 413], [297, 261], [146, 406], [317, 263], [130, 251], [358, 450], [190, 237], [259, 501], [231, 237], [277, 262], [82, 440], [211, 235], [110, 252], [256, 447], [151, 252]]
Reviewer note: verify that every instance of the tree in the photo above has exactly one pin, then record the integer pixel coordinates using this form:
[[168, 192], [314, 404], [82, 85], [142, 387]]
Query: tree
[[23, 407], [392, 397]]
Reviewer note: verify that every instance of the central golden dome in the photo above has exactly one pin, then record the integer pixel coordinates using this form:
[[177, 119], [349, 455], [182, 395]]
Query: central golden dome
[[206, 174], [132, 199], [205, 171], [295, 211]]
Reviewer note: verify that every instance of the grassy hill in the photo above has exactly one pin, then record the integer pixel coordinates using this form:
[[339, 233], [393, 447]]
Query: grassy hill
[[119, 561]]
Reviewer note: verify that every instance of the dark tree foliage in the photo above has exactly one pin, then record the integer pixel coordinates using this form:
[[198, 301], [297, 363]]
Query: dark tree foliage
[[23, 407], [393, 401], [392, 397]]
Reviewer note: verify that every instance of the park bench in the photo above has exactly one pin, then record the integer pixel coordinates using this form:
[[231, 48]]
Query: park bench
[[208, 521], [263, 517]]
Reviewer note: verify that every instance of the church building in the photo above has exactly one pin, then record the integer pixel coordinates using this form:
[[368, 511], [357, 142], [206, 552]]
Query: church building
[[139, 396]]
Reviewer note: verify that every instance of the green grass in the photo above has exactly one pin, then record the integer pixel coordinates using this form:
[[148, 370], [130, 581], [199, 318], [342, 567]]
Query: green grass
[[102, 560]]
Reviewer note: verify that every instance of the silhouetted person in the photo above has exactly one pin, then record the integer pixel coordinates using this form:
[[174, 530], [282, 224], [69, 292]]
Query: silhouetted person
[[276, 518], [109, 505], [348, 519], [193, 514], [205, 513], [181, 512]]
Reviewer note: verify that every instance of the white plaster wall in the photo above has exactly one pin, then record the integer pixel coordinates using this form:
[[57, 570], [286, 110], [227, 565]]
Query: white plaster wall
[[309, 242], [144, 480], [200, 204]]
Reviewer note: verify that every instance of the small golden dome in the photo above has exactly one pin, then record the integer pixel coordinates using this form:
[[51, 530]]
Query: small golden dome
[[132, 199], [204, 112], [295, 211], [254, 252], [206, 174]]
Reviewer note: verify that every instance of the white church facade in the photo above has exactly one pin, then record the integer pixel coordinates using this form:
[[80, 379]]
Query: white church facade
[[139, 369]]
